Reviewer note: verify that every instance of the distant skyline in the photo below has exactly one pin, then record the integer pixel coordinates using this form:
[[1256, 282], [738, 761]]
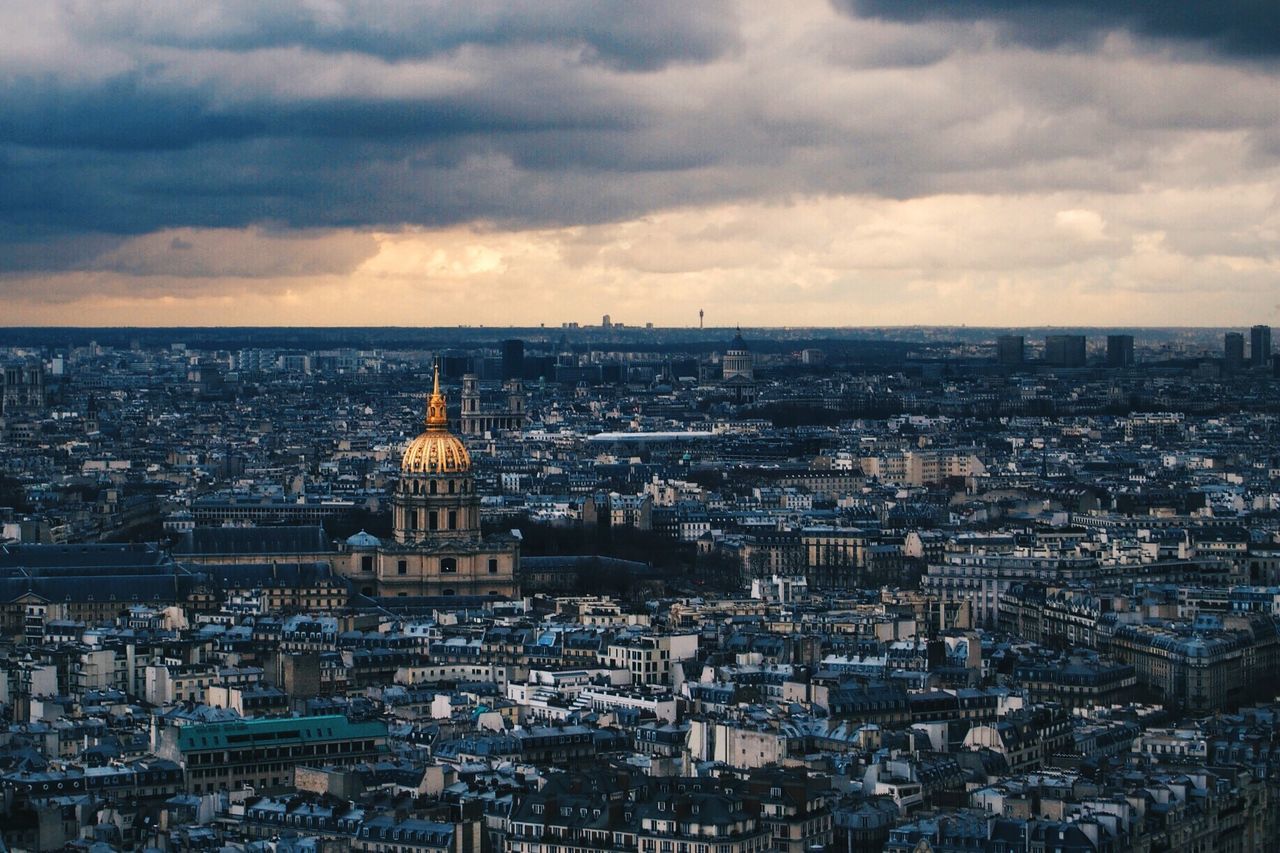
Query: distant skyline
[[824, 164]]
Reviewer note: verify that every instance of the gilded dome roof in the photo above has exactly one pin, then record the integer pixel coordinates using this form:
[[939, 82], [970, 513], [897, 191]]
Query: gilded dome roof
[[435, 453], [436, 450]]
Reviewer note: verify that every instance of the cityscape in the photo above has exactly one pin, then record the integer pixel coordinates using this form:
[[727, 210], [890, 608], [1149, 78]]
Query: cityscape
[[833, 426], [619, 587]]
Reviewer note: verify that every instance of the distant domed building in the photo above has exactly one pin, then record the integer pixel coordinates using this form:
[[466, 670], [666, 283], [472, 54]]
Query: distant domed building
[[738, 360], [738, 381], [437, 548]]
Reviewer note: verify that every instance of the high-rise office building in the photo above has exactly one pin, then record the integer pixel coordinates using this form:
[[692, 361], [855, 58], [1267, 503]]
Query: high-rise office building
[[513, 359], [1119, 350], [1064, 350], [1233, 351], [1011, 350], [1260, 346], [454, 364], [539, 367]]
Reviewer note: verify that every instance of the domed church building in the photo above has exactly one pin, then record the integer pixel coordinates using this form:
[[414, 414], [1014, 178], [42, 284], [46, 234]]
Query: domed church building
[[738, 361], [437, 549], [739, 383]]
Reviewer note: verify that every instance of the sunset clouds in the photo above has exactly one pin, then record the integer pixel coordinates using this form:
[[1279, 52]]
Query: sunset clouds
[[807, 163]]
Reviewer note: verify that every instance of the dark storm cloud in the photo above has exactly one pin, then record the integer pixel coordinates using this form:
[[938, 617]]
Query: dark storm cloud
[[131, 111], [132, 118], [118, 113], [624, 35], [1245, 28], [142, 116]]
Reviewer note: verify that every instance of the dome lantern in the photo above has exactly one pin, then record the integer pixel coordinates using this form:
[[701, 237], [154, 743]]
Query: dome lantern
[[436, 450]]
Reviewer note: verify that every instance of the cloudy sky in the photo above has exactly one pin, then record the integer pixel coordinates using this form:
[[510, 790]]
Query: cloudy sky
[[813, 162]]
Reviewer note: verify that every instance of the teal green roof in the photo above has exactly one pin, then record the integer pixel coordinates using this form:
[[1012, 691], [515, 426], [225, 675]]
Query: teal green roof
[[275, 732]]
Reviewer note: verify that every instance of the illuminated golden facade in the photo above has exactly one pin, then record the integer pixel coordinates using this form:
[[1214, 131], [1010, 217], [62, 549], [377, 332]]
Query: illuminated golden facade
[[436, 450], [436, 498], [438, 547]]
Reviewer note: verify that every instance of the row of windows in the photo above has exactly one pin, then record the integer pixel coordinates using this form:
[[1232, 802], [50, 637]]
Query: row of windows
[[368, 590], [448, 566], [433, 520], [276, 781], [224, 758], [432, 487]]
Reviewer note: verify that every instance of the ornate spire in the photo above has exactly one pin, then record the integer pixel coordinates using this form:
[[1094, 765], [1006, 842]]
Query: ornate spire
[[436, 418], [436, 450]]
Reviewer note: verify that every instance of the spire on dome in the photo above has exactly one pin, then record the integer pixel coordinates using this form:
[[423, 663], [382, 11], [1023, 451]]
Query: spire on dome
[[436, 417], [436, 450]]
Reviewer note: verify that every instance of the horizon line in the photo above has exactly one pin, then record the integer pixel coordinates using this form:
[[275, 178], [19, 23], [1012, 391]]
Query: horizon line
[[641, 328]]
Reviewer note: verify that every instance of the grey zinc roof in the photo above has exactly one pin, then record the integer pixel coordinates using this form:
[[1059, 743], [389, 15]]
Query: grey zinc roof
[[234, 541]]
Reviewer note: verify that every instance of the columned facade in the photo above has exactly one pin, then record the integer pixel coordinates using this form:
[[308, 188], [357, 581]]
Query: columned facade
[[436, 508], [738, 361], [476, 419], [437, 548]]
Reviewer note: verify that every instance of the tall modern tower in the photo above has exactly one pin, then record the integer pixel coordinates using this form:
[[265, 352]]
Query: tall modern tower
[[1011, 350], [1119, 350], [1064, 350], [1260, 346], [513, 359], [1233, 351]]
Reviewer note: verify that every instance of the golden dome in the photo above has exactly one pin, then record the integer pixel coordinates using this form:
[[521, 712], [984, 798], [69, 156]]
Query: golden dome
[[435, 453], [436, 450]]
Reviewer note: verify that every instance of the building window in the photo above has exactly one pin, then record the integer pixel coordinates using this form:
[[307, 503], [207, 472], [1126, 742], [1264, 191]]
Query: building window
[[452, 486], [433, 487], [448, 565], [453, 519], [493, 566], [366, 563], [433, 520], [402, 567], [413, 519]]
